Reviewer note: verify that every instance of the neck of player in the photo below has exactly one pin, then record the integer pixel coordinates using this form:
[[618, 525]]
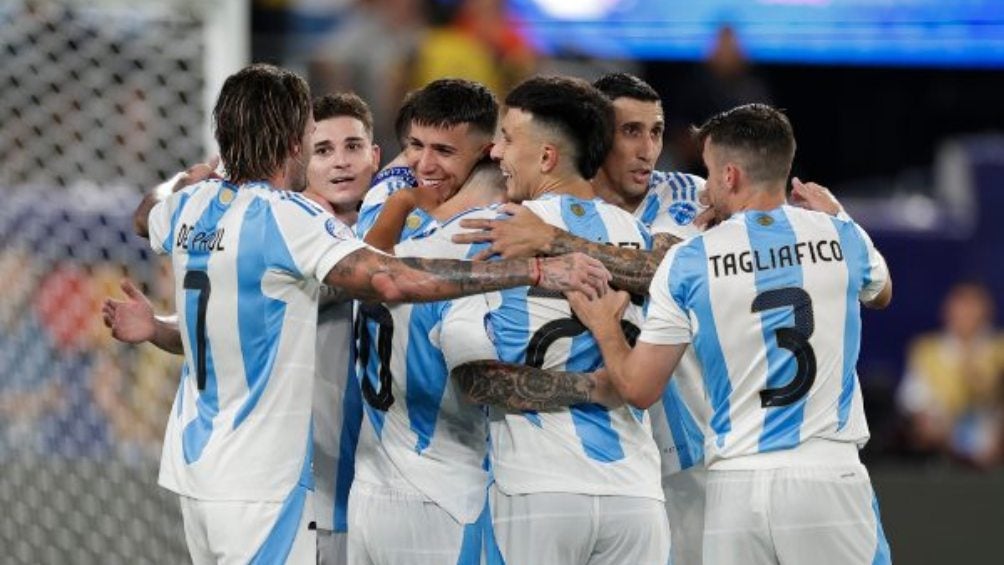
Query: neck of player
[[605, 189], [762, 197], [570, 185]]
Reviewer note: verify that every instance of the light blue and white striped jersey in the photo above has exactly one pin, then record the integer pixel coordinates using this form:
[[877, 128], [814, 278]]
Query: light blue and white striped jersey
[[385, 183], [420, 434], [247, 263], [671, 206], [769, 301], [586, 448], [671, 203]]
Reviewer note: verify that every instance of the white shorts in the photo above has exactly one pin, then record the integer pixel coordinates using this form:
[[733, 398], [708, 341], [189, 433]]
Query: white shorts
[[685, 492], [237, 532], [391, 527], [818, 515], [332, 547], [579, 529]]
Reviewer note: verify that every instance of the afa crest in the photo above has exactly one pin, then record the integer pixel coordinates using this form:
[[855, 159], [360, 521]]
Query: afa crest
[[226, 196], [413, 221], [682, 212]]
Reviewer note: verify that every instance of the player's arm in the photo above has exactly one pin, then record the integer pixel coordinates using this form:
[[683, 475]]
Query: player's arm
[[639, 375], [133, 321], [884, 297], [523, 234], [194, 174], [518, 387], [369, 275], [386, 231]]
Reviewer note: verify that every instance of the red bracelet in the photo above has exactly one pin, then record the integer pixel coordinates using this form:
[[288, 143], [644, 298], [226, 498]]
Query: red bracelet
[[536, 263]]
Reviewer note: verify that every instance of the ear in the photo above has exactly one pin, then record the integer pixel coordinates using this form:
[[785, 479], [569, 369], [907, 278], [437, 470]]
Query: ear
[[376, 156], [732, 176], [548, 158]]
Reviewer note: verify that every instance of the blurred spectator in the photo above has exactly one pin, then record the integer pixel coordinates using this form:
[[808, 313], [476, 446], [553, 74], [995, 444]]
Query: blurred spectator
[[724, 81], [369, 54], [953, 392]]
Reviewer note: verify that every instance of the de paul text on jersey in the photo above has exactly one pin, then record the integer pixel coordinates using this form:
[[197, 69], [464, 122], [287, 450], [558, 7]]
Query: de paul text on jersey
[[199, 241], [822, 251]]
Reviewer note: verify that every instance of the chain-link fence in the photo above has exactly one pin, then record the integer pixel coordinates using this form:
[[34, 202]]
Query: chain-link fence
[[97, 101]]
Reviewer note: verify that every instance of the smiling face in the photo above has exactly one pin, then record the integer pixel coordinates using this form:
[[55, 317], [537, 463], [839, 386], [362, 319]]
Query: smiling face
[[343, 163], [637, 146], [519, 151], [443, 158]]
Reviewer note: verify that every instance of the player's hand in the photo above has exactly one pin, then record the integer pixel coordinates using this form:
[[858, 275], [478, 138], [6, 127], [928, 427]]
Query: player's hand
[[602, 313], [197, 173], [604, 392], [521, 234], [131, 320], [814, 196], [427, 198], [707, 219], [575, 271]]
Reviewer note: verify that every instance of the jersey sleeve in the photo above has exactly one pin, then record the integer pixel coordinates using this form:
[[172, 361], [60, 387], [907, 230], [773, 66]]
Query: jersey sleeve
[[466, 334], [680, 206], [666, 322], [316, 240], [162, 219], [876, 272]]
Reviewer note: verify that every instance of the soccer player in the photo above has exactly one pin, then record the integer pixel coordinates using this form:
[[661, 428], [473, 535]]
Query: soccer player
[[248, 262], [342, 165], [769, 301], [446, 128], [666, 204], [420, 485], [578, 484]]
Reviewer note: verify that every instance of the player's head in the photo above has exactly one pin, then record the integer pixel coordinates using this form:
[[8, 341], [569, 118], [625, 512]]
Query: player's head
[[262, 122], [552, 127], [485, 185], [446, 127], [344, 156], [638, 127], [749, 147]]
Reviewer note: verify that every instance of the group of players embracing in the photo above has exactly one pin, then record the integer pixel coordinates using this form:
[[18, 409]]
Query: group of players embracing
[[517, 343]]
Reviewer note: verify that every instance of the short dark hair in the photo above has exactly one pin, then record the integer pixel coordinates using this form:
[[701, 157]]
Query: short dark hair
[[449, 102], [576, 109], [346, 104], [625, 85], [259, 117], [762, 133]]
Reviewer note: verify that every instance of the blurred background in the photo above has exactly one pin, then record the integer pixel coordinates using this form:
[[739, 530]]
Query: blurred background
[[897, 107]]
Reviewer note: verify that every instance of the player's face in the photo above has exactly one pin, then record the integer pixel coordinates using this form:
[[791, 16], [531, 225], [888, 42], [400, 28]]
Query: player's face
[[442, 158], [716, 186], [518, 150], [637, 146], [296, 177], [343, 162]]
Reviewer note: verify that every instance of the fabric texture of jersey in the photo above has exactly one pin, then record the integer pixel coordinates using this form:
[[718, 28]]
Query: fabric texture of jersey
[[671, 203], [385, 183], [749, 295], [670, 207], [420, 434], [247, 263], [585, 449]]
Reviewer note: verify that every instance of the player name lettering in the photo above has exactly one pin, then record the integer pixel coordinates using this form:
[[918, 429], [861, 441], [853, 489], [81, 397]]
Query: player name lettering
[[192, 240], [823, 251]]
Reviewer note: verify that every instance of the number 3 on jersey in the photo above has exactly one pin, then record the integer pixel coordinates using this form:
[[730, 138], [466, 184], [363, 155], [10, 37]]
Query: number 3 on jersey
[[793, 338], [384, 398]]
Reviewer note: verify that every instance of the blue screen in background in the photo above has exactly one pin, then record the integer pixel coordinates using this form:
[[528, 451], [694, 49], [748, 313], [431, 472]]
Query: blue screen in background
[[956, 33]]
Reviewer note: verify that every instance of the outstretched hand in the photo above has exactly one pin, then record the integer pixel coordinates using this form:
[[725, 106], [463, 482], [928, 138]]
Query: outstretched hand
[[522, 234], [574, 272], [130, 320]]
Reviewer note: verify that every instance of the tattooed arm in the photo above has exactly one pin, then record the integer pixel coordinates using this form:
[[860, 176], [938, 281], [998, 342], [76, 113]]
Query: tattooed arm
[[368, 275], [523, 234], [518, 387]]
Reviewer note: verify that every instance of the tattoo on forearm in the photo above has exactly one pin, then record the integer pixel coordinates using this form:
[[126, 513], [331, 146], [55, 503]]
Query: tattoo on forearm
[[518, 387], [423, 280], [632, 269]]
